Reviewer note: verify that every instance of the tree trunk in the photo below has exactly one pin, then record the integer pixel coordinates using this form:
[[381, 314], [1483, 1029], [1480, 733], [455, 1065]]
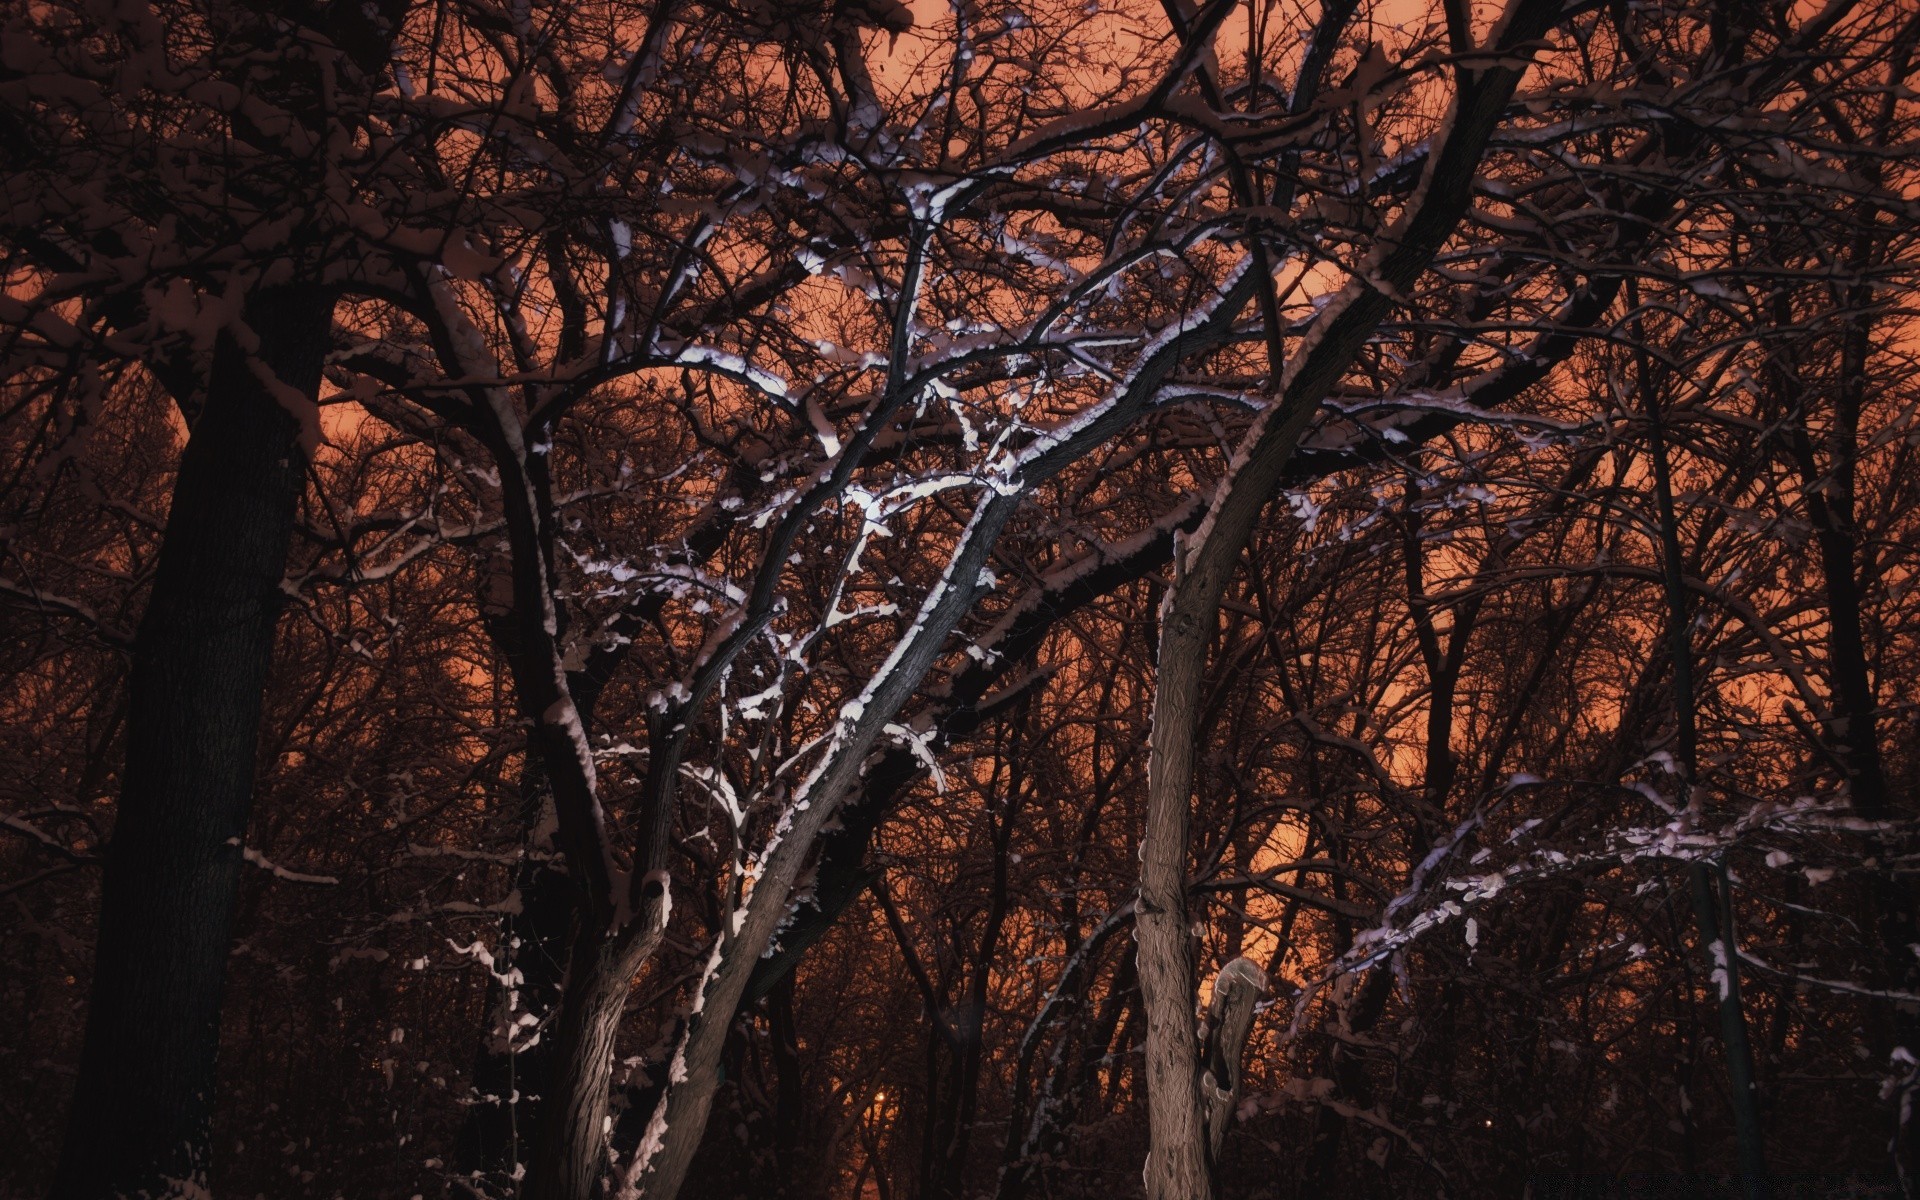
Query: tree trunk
[[570, 1157], [143, 1100], [509, 1077], [1349, 1073], [1177, 1163]]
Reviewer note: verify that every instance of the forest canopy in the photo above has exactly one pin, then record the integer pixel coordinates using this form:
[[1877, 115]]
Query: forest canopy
[[1059, 599]]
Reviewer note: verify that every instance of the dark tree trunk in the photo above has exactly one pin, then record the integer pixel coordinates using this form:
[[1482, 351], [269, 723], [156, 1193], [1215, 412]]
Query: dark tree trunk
[[789, 1116], [1351, 1084], [510, 1077], [570, 1151], [143, 1100]]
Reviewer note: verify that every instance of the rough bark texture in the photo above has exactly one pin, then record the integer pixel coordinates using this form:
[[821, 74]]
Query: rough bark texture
[[1176, 1163], [570, 1157], [142, 1102]]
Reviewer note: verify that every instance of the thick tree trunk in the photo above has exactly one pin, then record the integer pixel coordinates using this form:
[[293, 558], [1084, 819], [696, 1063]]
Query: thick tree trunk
[[143, 1100], [570, 1157], [1177, 1163]]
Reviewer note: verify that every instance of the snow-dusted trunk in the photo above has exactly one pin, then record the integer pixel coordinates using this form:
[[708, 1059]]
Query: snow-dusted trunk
[[143, 1100], [570, 1157], [1713, 921], [508, 1076], [607, 947], [1177, 1166]]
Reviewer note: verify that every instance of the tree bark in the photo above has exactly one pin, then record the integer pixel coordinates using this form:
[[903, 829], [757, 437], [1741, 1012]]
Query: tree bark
[[1176, 1163], [570, 1157], [143, 1100]]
